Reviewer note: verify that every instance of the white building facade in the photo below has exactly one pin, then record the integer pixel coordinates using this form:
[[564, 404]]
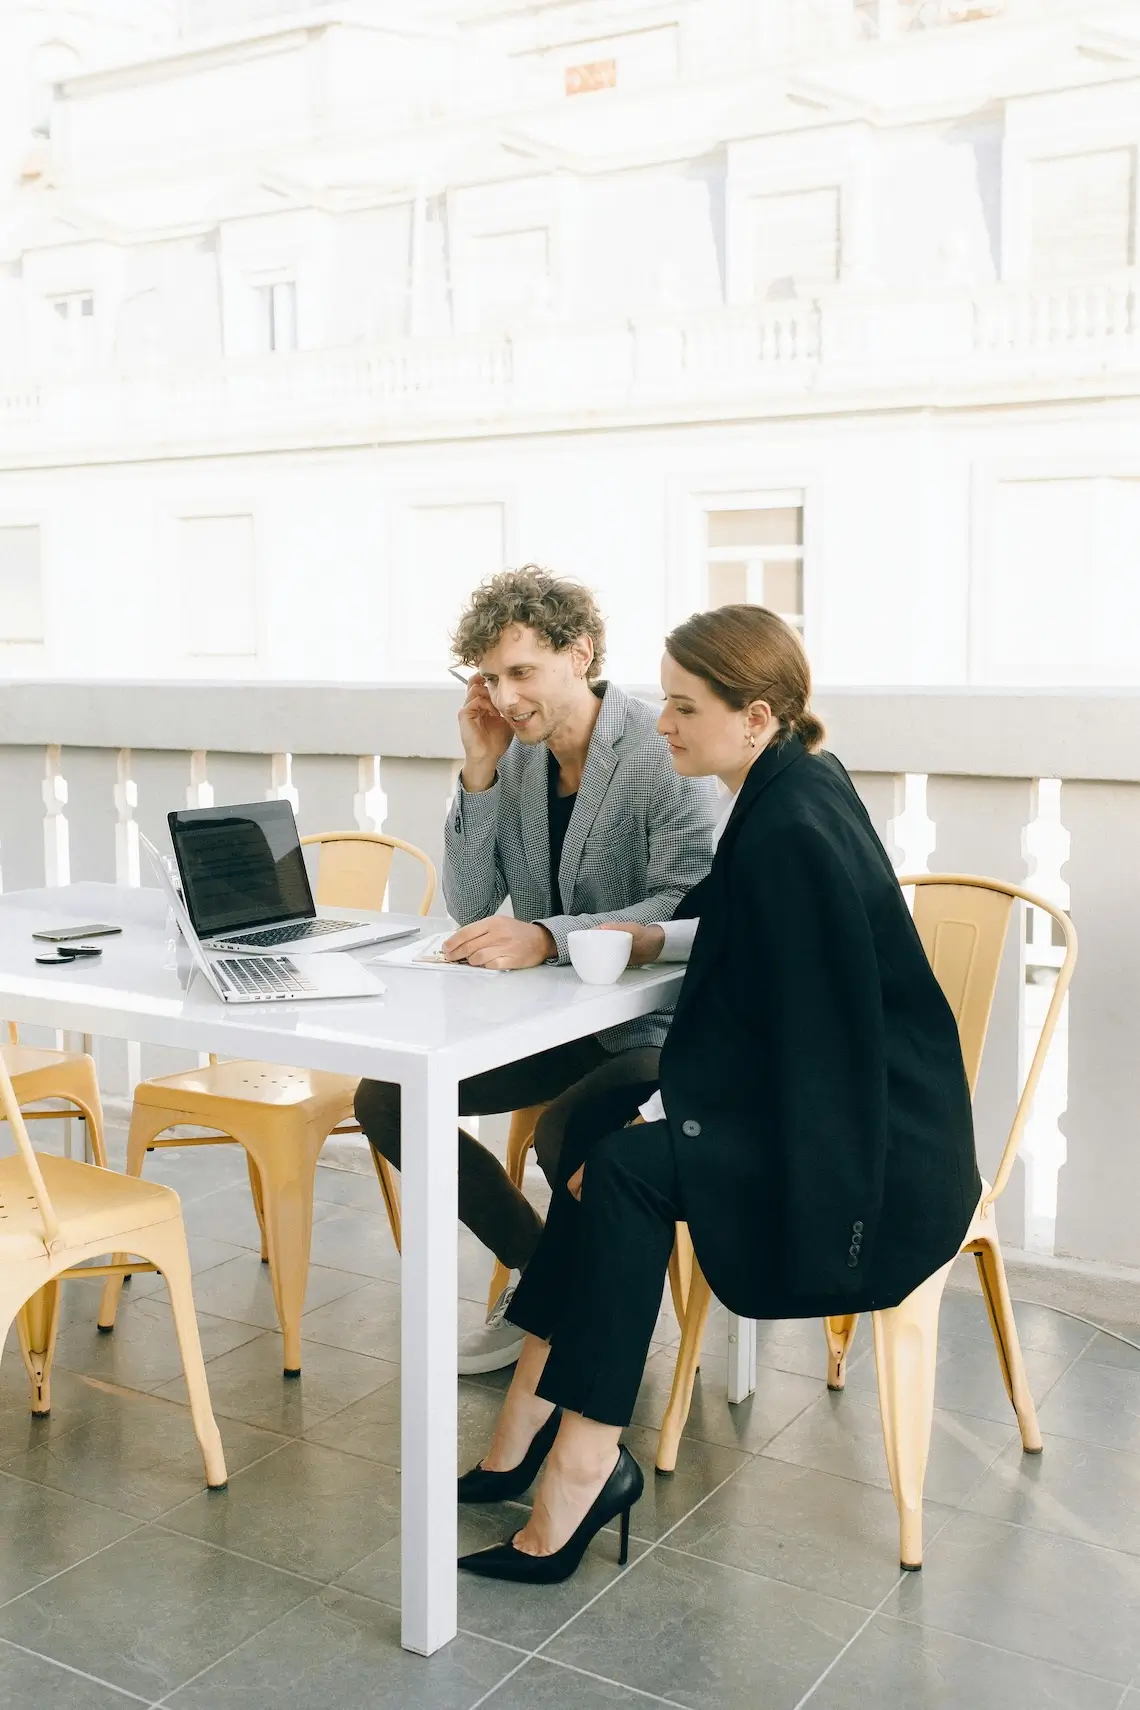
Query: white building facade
[[310, 321]]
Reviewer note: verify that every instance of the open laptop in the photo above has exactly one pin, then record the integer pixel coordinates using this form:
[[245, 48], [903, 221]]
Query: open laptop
[[265, 978], [246, 888]]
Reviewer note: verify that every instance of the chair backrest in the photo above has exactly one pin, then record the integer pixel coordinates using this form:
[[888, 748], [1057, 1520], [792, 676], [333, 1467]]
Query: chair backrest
[[354, 868], [963, 921], [11, 1109]]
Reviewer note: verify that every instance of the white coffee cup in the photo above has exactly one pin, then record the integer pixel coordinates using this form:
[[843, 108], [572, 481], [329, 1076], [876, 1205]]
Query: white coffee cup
[[600, 957]]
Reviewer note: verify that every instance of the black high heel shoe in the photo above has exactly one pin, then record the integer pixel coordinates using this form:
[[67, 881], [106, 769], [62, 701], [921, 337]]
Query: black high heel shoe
[[617, 1496], [480, 1486]]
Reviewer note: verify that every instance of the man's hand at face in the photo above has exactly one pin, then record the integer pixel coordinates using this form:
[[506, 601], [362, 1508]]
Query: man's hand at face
[[485, 734], [501, 942]]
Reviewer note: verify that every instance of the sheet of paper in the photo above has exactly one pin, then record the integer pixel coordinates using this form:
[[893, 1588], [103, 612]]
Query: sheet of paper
[[428, 953]]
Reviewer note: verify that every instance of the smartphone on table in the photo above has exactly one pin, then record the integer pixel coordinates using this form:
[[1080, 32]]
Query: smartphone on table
[[62, 934]]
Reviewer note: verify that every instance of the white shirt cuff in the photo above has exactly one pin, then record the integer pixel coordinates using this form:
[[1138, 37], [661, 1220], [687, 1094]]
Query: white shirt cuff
[[679, 936]]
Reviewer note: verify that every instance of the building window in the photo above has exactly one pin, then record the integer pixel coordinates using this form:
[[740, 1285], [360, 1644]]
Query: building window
[[1060, 601], [217, 572], [277, 316], [21, 586], [795, 243], [754, 555], [72, 326], [1082, 213]]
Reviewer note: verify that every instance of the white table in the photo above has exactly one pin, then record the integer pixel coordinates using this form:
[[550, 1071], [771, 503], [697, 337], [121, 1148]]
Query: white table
[[429, 1031]]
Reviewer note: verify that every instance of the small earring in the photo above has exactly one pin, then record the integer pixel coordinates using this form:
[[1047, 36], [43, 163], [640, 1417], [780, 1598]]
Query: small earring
[[751, 739]]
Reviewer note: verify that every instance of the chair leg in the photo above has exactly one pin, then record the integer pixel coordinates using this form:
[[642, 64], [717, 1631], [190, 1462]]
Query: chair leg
[[906, 1353], [165, 1246], [685, 1372], [146, 1125], [995, 1289], [87, 1098], [520, 1139], [391, 1194], [840, 1333], [287, 1168], [36, 1324], [258, 1205], [681, 1270]]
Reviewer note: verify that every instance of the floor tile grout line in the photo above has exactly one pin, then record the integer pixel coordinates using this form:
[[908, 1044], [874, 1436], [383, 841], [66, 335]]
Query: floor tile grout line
[[842, 1652], [49, 1579], [1007, 1650], [467, 1632], [56, 1490], [536, 1654], [499, 1684], [231, 1478], [252, 1561], [69, 1668], [607, 1680], [644, 1556], [160, 1703], [1039, 1531]]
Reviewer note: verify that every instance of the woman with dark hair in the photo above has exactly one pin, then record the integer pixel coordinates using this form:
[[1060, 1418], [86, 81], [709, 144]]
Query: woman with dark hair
[[813, 1124]]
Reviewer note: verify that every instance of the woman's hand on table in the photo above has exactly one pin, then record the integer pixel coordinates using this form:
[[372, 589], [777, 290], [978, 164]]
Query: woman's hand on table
[[648, 941]]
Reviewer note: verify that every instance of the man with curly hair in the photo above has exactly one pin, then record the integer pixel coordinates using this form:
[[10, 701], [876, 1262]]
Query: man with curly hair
[[569, 806]]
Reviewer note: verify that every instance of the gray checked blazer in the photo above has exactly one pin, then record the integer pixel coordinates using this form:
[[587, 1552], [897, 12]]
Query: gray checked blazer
[[639, 838]]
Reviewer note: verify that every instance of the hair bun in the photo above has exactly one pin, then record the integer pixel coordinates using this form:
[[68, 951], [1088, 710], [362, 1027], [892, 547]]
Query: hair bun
[[809, 729]]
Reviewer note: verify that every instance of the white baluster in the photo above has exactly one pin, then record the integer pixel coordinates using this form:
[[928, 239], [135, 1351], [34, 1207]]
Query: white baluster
[[57, 861], [57, 851], [127, 870], [126, 829], [369, 804], [912, 831], [199, 791], [199, 794], [281, 788], [1046, 845]]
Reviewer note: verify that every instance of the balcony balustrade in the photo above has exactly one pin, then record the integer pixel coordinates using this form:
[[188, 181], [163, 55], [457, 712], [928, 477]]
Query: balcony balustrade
[[848, 346], [1038, 788]]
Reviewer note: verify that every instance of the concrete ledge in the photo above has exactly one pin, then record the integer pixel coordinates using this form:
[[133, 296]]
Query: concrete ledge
[[993, 733]]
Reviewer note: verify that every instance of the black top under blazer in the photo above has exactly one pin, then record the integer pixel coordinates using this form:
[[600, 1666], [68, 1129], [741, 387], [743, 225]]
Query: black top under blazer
[[813, 1077]]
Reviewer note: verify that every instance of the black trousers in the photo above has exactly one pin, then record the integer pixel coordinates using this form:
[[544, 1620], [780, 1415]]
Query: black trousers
[[502, 1217], [593, 1288]]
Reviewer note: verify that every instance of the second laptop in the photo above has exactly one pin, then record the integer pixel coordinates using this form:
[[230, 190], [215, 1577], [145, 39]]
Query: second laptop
[[245, 885]]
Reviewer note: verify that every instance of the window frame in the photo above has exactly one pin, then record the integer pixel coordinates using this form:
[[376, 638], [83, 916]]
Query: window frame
[[688, 505]]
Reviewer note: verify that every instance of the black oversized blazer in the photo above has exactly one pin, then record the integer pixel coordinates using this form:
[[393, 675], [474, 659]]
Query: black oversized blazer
[[813, 1078]]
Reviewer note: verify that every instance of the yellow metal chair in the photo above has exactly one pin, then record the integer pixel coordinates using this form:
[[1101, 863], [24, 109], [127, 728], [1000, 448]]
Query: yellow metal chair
[[57, 1214], [519, 1142], [963, 922], [281, 1116], [38, 1074]]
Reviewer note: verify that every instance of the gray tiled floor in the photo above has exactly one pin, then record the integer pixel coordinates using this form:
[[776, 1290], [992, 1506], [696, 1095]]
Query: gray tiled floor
[[765, 1572]]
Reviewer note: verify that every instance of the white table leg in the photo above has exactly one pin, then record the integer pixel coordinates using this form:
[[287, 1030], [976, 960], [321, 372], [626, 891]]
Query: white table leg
[[741, 1357], [429, 1337]]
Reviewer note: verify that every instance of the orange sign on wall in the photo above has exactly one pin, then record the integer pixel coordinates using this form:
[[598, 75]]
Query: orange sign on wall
[[584, 79]]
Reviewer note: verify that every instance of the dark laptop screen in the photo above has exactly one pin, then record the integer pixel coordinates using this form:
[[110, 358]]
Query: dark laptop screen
[[241, 866]]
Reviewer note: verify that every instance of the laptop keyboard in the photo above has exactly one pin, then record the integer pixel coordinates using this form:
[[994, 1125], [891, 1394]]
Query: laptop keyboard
[[292, 934], [261, 976]]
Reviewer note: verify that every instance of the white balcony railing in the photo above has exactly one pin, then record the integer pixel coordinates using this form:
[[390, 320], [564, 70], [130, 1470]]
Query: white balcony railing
[[1037, 788], [850, 346]]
